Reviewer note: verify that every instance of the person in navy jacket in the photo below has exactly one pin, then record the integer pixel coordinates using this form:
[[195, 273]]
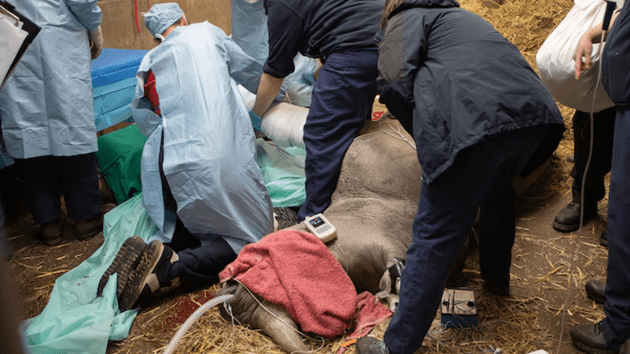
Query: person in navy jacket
[[479, 116]]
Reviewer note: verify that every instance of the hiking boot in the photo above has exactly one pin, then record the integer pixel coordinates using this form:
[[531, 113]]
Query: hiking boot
[[369, 345], [590, 339], [497, 288], [568, 219], [595, 290], [51, 233], [124, 263], [150, 274], [85, 230]]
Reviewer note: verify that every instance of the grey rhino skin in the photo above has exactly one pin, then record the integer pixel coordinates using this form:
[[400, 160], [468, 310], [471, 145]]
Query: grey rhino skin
[[372, 208]]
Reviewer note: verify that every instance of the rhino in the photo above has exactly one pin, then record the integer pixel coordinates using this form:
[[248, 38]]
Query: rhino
[[373, 207]]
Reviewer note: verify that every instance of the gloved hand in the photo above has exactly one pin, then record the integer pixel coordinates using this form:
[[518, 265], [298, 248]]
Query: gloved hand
[[256, 121], [96, 41]]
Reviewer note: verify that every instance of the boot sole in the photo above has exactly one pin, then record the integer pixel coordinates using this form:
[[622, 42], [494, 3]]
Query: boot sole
[[124, 263], [53, 241], [136, 282], [572, 227], [566, 228], [591, 350], [88, 236]]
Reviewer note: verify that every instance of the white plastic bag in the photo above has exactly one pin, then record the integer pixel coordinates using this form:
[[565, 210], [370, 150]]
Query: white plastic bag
[[555, 59]]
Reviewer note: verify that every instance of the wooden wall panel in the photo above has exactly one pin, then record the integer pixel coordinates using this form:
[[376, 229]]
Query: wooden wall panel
[[119, 24]]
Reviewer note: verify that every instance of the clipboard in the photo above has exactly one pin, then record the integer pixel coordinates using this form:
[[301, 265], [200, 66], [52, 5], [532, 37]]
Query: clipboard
[[16, 33]]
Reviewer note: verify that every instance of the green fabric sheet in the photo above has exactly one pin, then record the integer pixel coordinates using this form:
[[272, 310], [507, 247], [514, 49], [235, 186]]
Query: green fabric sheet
[[75, 320], [119, 155]]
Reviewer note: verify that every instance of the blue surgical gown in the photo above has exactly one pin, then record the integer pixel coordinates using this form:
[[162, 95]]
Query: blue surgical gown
[[209, 150], [47, 104]]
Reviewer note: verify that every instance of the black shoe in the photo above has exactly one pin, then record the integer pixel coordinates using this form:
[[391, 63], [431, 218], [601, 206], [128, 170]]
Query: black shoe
[[85, 230], [150, 275], [603, 239], [595, 290], [369, 345], [51, 233], [497, 289], [124, 263], [590, 339], [568, 219]]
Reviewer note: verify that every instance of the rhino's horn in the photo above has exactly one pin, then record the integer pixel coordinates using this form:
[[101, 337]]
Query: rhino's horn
[[276, 322]]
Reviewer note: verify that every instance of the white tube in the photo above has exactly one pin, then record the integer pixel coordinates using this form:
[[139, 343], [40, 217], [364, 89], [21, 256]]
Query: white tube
[[195, 315]]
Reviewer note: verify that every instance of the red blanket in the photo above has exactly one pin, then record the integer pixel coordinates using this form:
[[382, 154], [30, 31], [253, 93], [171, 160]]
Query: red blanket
[[294, 269]]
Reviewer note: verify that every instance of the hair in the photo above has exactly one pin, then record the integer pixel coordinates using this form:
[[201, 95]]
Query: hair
[[390, 5]]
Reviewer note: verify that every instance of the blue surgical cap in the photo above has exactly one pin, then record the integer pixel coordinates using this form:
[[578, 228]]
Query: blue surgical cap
[[162, 16]]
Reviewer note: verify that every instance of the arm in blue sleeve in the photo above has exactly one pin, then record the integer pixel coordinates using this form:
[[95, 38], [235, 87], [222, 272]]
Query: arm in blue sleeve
[[87, 12], [244, 69]]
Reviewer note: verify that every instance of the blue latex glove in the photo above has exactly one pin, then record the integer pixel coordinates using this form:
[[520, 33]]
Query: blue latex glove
[[256, 121]]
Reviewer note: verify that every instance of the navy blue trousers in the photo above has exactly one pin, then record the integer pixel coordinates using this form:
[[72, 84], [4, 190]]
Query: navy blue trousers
[[198, 264], [46, 178], [604, 126], [479, 178], [342, 101], [617, 307]]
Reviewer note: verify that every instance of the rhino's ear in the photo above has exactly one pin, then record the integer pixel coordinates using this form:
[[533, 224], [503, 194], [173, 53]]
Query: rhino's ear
[[241, 306]]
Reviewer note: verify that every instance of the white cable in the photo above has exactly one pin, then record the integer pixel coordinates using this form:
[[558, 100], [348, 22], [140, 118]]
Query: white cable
[[189, 322]]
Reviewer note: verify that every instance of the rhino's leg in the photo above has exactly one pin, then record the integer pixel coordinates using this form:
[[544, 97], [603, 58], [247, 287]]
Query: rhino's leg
[[274, 320]]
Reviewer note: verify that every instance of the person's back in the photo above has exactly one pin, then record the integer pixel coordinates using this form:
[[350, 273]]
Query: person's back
[[328, 25], [467, 79]]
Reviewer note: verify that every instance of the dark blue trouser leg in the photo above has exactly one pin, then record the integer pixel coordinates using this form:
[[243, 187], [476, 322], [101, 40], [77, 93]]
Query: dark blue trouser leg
[[446, 211], [202, 265], [80, 186], [604, 126], [47, 177], [497, 226], [42, 185], [617, 307], [342, 101]]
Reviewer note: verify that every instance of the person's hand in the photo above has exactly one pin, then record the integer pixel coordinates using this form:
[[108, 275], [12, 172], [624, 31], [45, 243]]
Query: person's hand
[[583, 52], [256, 121], [96, 42]]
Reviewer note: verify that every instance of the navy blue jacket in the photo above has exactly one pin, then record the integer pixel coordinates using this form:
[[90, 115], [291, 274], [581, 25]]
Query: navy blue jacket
[[452, 80], [616, 60], [317, 28]]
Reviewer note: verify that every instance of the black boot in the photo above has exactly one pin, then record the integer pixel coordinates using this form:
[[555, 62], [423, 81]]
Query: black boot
[[595, 290], [568, 219]]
